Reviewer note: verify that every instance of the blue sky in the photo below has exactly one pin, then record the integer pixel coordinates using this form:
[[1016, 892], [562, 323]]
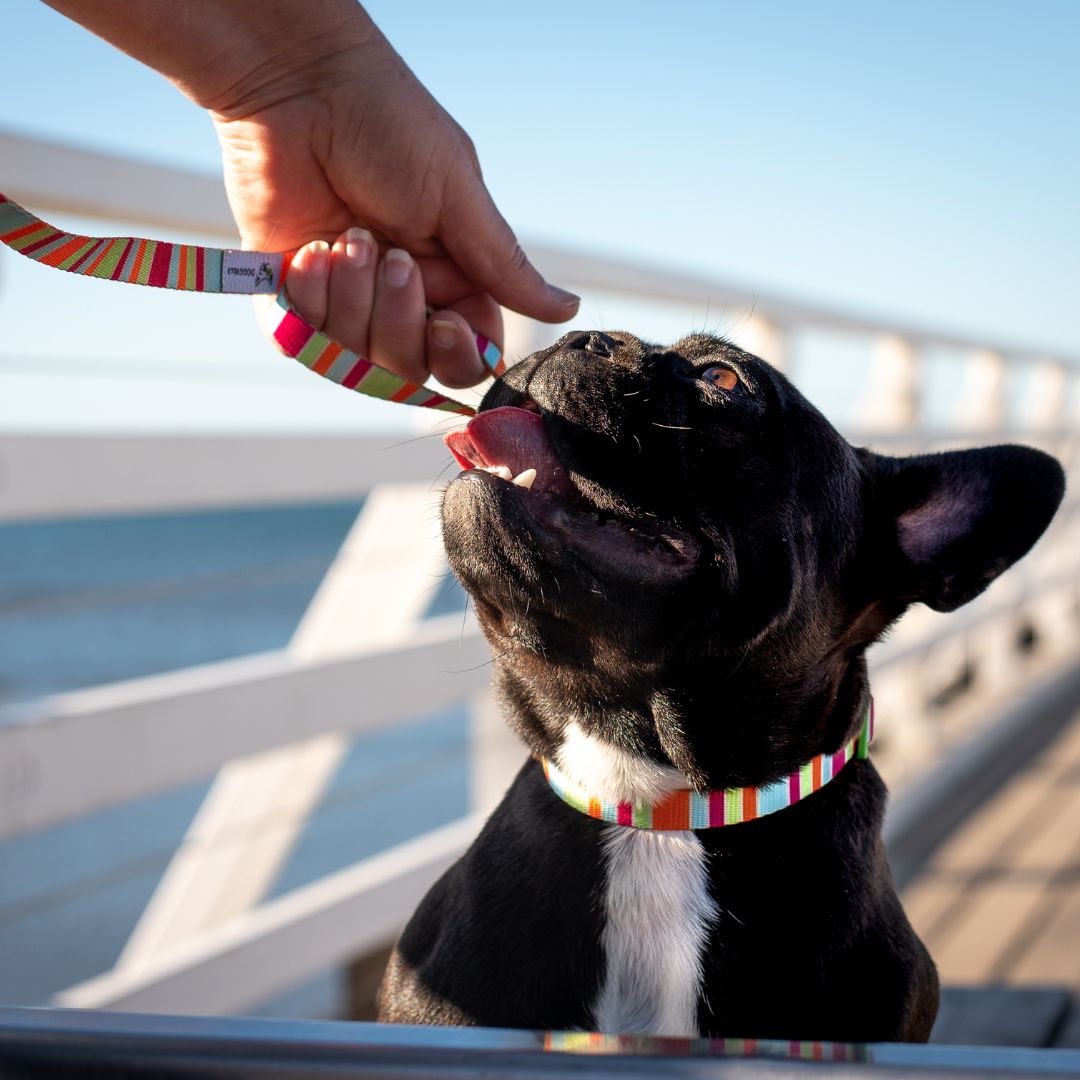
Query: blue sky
[[917, 160]]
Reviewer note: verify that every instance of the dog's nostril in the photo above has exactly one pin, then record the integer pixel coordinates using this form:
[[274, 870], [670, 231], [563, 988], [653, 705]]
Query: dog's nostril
[[599, 344], [592, 341]]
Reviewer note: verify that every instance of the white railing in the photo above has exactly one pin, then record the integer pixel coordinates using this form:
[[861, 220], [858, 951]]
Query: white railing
[[273, 727]]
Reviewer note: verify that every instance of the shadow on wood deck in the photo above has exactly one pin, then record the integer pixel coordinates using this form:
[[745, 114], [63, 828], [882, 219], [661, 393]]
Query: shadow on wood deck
[[998, 905]]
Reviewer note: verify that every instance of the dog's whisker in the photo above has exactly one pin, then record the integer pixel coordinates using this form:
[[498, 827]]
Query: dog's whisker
[[489, 662], [464, 619]]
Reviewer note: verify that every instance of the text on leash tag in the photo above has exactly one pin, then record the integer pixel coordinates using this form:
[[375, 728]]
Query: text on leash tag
[[250, 272]]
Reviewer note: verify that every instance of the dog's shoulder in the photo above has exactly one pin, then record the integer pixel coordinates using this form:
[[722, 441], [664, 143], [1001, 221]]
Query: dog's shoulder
[[513, 928]]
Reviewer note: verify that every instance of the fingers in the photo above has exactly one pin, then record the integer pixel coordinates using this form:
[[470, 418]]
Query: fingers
[[376, 307], [451, 350], [480, 241], [309, 277], [398, 318], [351, 289]]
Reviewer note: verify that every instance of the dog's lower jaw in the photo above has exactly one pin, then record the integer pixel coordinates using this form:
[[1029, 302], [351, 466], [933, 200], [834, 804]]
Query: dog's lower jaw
[[658, 915]]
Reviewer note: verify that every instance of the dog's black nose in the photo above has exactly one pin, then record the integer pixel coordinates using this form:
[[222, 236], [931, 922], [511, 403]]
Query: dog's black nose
[[593, 342]]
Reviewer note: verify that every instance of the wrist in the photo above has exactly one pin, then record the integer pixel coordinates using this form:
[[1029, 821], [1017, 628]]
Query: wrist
[[271, 56], [234, 57]]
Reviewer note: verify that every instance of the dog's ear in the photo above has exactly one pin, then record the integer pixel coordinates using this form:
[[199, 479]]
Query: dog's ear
[[961, 518]]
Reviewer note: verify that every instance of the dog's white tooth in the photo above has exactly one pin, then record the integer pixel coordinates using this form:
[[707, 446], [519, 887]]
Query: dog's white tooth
[[503, 472], [526, 478]]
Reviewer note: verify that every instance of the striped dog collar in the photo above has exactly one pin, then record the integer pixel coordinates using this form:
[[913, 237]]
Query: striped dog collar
[[190, 268], [686, 809]]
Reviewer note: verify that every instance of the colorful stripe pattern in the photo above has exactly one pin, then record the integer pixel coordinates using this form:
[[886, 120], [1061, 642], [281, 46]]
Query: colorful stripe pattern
[[586, 1042], [191, 268], [326, 357], [687, 809], [115, 258]]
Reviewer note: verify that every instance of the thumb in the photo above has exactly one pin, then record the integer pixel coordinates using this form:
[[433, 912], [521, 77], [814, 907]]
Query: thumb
[[477, 237]]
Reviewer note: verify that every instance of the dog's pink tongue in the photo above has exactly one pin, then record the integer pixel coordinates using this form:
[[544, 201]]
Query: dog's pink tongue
[[513, 437]]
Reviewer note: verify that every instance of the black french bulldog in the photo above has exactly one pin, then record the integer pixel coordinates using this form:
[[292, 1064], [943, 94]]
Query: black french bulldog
[[683, 599]]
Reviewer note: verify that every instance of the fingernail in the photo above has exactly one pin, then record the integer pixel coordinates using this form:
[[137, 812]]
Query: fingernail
[[358, 245], [444, 333], [317, 257], [396, 267], [564, 296]]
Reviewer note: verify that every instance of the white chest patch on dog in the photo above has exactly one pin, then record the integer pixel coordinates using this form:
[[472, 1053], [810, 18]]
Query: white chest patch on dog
[[657, 906], [611, 773], [658, 914]]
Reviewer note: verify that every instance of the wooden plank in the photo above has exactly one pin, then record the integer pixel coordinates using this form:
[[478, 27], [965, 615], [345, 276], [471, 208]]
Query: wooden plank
[[637, 279], [56, 760], [376, 590], [266, 951], [55, 476], [1052, 840], [990, 829], [1000, 1016], [982, 929], [1053, 956], [47, 177], [1065, 751], [942, 799], [927, 900]]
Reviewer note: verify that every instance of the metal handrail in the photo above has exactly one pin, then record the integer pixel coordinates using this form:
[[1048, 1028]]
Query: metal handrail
[[49, 1043]]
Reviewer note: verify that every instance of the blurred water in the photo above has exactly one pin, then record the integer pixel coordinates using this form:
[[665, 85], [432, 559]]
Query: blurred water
[[90, 601], [95, 600]]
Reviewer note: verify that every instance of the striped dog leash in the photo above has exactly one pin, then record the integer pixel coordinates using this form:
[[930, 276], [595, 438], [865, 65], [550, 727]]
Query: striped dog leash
[[190, 268]]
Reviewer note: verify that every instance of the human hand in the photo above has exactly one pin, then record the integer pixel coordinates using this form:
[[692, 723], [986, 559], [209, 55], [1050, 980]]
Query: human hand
[[358, 140], [324, 128], [375, 305]]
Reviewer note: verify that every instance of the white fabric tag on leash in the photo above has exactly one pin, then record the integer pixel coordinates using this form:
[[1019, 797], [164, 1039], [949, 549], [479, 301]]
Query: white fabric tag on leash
[[250, 272]]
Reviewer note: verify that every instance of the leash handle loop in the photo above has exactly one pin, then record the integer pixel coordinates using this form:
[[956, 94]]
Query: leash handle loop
[[192, 268]]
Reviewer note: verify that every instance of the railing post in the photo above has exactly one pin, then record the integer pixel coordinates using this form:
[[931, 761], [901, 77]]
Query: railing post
[[496, 754], [1047, 400], [995, 650], [1055, 617], [766, 338], [982, 399], [374, 592], [905, 733], [891, 399], [524, 336]]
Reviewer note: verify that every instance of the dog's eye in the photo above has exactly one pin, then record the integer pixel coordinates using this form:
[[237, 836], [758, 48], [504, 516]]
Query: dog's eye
[[721, 377]]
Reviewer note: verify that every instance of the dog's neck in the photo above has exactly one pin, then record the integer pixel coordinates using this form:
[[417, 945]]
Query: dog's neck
[[642, 743], [613, 787]]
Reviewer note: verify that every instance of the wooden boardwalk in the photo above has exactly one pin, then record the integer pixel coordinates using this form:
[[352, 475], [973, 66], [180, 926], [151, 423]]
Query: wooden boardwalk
[[998, 903]]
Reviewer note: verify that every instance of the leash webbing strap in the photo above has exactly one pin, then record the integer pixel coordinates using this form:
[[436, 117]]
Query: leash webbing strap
[[686, 809], [192, 268]]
